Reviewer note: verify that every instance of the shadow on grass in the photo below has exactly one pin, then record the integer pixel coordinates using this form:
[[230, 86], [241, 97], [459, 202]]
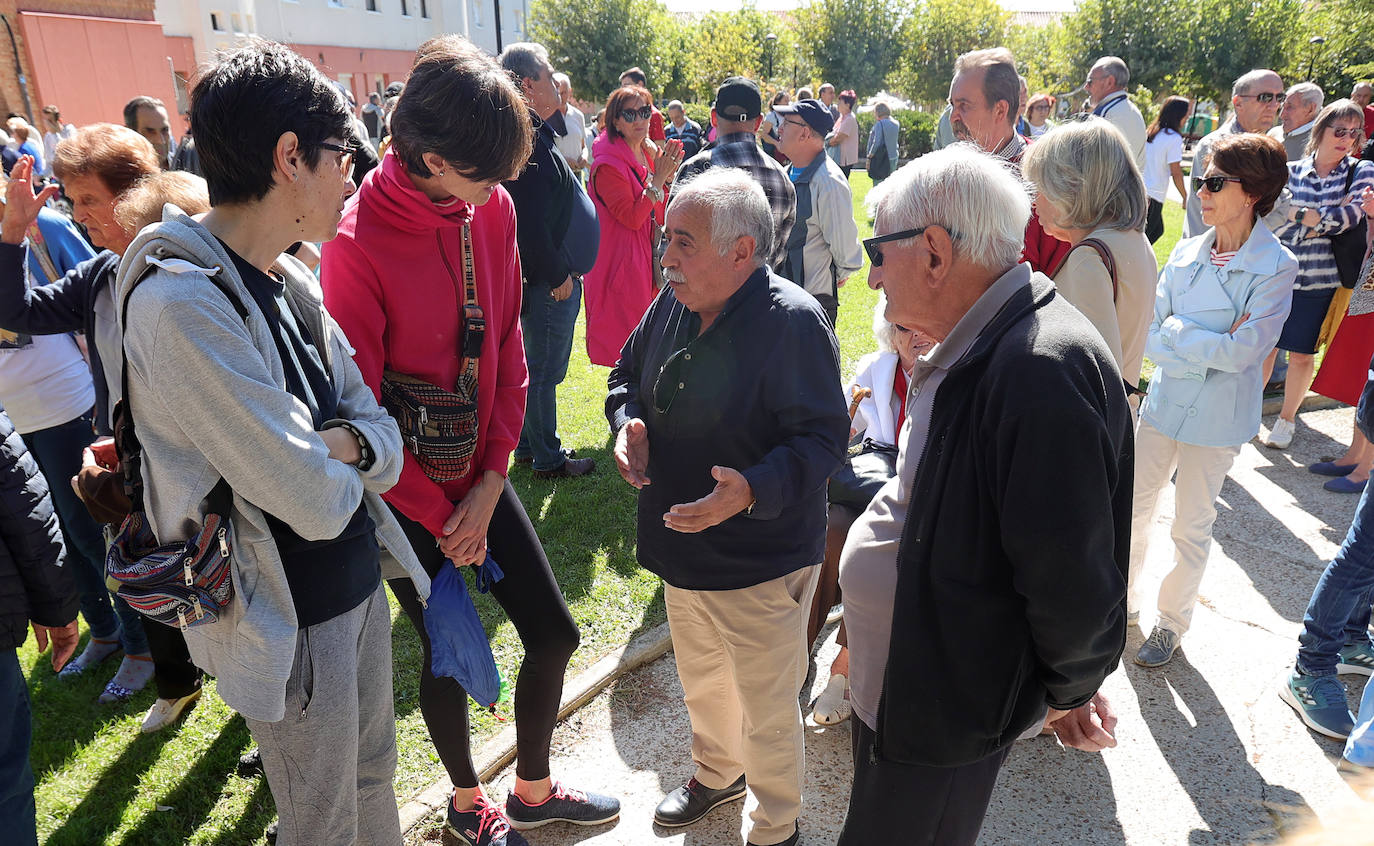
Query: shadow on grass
[[100, 811], [252, 826], [67, 716]]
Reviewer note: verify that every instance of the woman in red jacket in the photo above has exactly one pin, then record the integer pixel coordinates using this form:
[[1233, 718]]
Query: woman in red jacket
[[424, 278]]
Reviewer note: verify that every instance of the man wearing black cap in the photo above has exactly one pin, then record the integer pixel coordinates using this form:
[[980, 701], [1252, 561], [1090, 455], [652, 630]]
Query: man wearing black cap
[[823, 248], [736, 116]]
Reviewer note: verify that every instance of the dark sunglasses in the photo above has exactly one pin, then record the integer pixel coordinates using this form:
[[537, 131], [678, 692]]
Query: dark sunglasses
[[633, 115], [1268, 97], [669, 380], [1213, 184], [350, 152], [1352, 131], [875, 255]]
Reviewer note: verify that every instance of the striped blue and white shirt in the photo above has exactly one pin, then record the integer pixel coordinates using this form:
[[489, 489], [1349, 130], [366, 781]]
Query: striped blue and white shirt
[[1339, 210]]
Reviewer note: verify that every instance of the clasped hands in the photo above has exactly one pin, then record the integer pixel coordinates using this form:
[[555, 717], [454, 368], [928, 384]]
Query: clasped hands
[[731, 495]]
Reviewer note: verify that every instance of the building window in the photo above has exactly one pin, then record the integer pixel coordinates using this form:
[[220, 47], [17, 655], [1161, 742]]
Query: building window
[[214, 22], [405, 9], [424, 8], [476, 12], [236, 23], [337, 4], [372, 5]]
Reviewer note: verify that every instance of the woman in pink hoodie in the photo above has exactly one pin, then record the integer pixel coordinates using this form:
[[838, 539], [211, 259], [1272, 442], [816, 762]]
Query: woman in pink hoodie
[[424, 278], [628, 180]]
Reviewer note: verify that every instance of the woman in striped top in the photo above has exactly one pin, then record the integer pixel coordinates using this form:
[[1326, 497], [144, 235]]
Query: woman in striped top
[[1325, 202]]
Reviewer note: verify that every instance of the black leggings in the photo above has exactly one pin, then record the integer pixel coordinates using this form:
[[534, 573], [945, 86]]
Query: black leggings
[[530, 596], [1154, 220], [173, 671]]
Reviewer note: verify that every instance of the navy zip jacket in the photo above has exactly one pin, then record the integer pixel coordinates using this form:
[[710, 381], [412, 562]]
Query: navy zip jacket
[[33, 583], [1011, 584], [543, 197], [66, 305], [760, 393]]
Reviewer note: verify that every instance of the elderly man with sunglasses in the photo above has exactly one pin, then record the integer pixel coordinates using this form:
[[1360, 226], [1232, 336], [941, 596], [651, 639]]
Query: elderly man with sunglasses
[[1255, 101], [985, 586], [729, 418]]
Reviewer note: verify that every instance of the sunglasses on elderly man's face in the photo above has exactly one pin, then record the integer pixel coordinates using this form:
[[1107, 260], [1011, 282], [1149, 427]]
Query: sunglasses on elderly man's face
[[875, 255], [633, 115], [1266, 97]]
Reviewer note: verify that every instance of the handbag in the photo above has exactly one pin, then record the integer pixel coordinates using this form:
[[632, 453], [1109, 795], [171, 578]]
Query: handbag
[[867, 467], [1362, 298], [181, 584], [439, 426], [880, 166], [1349, 246]]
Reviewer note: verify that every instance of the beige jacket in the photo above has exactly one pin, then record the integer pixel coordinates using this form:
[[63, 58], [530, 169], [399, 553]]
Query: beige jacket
[[1084, 282]]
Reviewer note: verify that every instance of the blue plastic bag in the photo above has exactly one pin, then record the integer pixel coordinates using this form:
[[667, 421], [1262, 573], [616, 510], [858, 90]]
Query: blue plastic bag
[[458, 644]]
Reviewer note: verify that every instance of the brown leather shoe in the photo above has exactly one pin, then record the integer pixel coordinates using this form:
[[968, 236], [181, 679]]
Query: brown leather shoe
[[571, 467]]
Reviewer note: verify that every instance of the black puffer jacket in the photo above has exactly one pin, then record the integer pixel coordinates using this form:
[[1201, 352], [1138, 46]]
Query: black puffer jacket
[[33, 584]]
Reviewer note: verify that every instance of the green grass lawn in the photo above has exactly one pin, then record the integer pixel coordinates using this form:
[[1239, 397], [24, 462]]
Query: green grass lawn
[[101, 782]]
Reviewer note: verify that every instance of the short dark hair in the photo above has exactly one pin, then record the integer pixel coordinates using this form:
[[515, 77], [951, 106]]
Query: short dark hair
[[1259, 161], [618, 100], [242, 106], [462, 106], [1000, 81], [636, 76], [131, 109]]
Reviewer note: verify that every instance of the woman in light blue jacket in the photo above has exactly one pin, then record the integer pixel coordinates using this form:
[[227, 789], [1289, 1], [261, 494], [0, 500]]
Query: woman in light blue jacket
[[1222, 300]]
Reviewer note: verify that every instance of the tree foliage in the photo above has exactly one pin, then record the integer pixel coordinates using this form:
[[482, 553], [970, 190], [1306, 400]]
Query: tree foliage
[[593, 41], [935, 34], [853, 43]]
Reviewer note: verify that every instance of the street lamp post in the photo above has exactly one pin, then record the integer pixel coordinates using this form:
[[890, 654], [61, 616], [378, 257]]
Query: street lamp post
[[770, 43], [1317, 42]]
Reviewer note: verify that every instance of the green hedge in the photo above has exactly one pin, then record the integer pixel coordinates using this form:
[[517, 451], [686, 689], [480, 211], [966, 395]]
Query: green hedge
[[918, 132], [918, 128]]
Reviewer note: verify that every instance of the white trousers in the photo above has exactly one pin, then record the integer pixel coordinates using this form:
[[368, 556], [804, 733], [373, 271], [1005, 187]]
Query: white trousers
[[1201, 472]]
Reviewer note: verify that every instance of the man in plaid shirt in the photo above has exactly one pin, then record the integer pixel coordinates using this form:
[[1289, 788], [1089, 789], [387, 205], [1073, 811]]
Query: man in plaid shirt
[[736, 116]]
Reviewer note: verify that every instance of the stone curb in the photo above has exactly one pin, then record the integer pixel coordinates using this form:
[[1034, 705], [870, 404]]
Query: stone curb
[[1312, 402], [499, 751]]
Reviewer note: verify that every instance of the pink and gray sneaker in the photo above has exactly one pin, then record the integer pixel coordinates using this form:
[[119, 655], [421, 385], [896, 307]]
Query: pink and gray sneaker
[[484, 825], [563, 805]]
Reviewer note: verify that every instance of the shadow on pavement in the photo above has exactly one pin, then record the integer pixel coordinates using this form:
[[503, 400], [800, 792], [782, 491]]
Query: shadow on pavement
[[1201, 746]]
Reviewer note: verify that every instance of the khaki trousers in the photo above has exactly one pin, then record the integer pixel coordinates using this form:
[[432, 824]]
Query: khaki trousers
[[741, 656], [1201, 472]]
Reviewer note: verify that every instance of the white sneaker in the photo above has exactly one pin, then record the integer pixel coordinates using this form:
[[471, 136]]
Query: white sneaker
[[1281, 435], [832, 706], [165, 711]]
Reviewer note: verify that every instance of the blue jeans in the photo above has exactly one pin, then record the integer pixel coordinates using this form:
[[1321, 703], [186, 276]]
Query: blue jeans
[[16, 775], [57, 450], [1338, 612], [548, 329]]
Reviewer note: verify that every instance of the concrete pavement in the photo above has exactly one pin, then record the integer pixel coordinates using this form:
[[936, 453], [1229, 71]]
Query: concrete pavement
[[1208, 753]]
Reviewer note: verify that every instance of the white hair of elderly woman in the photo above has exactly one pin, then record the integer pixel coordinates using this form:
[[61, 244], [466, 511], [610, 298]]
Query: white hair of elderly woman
[[738, 208], [884, 330], [977, 198]]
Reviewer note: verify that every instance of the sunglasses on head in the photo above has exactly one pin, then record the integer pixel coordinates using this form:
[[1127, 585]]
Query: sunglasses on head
[[875, 255], [1213, 184], [632, 115], [1352, 131], [1268, 97]]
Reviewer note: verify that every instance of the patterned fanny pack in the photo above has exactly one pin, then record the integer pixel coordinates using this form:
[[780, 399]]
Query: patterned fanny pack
[[439, 426]]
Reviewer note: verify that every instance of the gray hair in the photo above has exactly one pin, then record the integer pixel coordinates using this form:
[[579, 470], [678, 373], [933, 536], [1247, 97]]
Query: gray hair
[[1249, 80], [882, 110], [1087, 173], [1115, 68], [1309, 92], [884, 331], [977, 198], [560, 79], [674, 104], [524, 60], [739, 208]]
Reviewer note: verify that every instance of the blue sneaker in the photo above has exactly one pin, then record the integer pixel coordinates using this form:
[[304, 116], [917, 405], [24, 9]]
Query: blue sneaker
[[1357, 658], [1320, 702], [563, 805], [484, 825]]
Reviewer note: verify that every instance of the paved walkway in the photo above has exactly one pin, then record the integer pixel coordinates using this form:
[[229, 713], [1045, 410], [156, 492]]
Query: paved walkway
[[1208, 753]]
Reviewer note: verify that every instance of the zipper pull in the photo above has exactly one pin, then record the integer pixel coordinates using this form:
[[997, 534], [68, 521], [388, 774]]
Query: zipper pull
[[187, 574], [223, 541], [424, 416]]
